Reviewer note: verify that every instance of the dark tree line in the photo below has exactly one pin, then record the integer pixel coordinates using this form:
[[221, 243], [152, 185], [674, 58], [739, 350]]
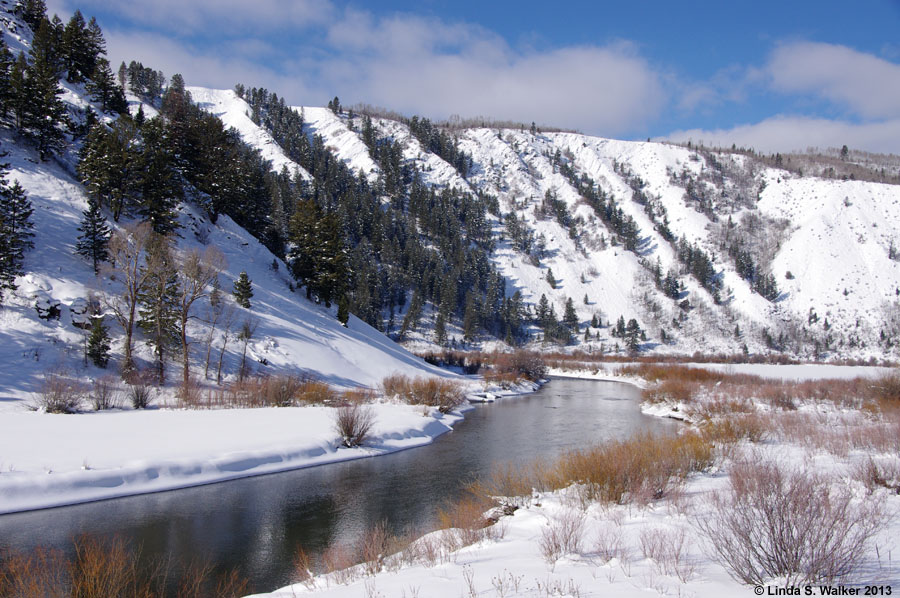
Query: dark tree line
[[395, 245], [606, 207], [438, 141], [29, 85]]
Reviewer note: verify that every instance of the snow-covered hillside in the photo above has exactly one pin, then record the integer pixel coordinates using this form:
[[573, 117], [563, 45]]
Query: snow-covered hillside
[[825, 242]]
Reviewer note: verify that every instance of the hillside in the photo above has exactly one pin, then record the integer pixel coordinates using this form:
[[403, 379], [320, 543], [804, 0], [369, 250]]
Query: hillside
[[825, 244], [293, 336]]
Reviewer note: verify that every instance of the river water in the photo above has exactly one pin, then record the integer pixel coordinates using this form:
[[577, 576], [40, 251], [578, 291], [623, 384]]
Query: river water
[[256, 524]]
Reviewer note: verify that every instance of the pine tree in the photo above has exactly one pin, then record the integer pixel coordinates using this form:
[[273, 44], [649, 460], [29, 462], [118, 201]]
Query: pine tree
[[32, 12], [44, 110], [243, 290], [570, 317], [6, 65], [159, 185], [343, 311], [109, 164], [633, 335], [550, 278], [15, 231], [98, 342], [94, 237], [103, 89], [159, 302]]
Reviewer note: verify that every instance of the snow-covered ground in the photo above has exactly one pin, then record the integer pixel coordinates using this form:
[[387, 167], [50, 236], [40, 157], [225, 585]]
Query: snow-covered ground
[[636, 550], [49, 460]]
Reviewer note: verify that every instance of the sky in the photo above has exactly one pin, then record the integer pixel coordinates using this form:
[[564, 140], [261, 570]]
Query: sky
[[775, 76]]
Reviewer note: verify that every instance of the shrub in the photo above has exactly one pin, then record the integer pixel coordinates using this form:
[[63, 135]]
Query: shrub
[[790, 525], [446, 395], [562, 535], [643, 468], [59, 393], [666, 548], [887, 389], [104, 394], [353, 422], [140, 389], [526, 364]]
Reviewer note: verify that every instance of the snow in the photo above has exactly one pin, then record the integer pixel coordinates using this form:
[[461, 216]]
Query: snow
[[235, 113], [51, 460], [614, 557]]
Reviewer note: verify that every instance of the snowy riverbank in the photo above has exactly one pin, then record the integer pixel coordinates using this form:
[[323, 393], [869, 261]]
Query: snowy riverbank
[[656, 548], [49, 460]]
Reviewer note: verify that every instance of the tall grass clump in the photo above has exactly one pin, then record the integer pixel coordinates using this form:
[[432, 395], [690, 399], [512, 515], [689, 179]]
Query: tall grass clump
[[791, 525], [103, 569], [446, 395], [643, 468]]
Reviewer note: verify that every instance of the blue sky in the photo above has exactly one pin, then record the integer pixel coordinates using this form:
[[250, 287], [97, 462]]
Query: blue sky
[[775, 76]]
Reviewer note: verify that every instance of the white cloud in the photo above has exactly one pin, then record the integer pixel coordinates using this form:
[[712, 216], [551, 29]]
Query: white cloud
[[421, 66], [199, 68], [210, 16], [864, 84], [427, 66], [787, 133]]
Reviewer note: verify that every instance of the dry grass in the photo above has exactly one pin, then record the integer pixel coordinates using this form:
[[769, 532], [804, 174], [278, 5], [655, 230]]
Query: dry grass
[[463, 522], [268, 391], [446, 395], [105, 568], [643, 468]]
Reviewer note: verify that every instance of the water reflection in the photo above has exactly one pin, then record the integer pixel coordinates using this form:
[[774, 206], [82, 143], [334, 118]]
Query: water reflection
[[256, 524]]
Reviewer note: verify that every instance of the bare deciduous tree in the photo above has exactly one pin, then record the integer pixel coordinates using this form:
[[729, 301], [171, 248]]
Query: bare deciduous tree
[[126, 256], [197, 273]]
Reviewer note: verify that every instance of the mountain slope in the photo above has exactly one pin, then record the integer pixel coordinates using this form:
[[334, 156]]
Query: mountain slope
[[817, 237]]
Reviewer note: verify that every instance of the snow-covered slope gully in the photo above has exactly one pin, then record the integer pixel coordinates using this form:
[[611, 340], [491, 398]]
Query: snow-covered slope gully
[[827, 243]]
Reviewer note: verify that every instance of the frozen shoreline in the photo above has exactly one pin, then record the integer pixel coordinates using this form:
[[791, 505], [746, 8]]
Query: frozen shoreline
[[612, 558], [51, 460]]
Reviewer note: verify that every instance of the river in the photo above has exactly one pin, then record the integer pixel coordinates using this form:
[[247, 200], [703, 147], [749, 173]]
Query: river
[[256, 524]]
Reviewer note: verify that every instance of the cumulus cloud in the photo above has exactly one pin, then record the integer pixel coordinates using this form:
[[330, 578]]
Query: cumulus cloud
[[866, 85], [406, 63], [422, 65], [788, 133]]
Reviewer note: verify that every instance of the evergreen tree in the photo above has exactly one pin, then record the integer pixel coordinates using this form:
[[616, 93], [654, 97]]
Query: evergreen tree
[[103, 88], [6, 65], [243, 290], [343, 311], [94, 238], [570, 317], [98, 342], [42, 109], [109, 164], [15, 231], [20, 91], [633, 335], [76, 52], [159, 302], [32, 12], [159, 185], [551, 280]]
